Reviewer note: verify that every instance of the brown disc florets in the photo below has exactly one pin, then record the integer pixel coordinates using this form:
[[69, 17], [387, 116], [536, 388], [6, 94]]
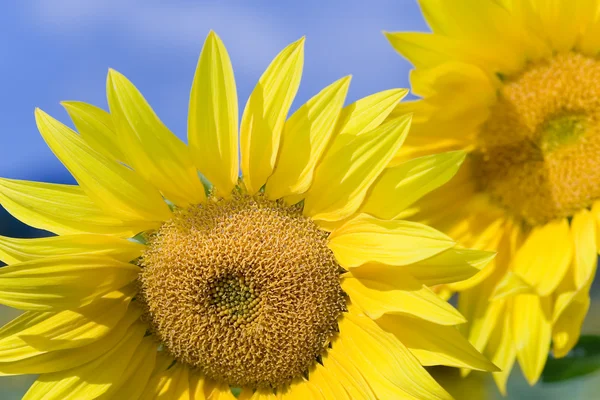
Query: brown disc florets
[[245, 289], [538, 154]]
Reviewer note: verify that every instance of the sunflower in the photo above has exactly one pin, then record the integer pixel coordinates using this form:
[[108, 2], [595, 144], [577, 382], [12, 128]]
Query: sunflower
[[294, 282], [515, 84]]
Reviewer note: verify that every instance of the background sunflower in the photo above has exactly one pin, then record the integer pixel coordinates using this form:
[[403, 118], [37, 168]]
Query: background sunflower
[[514, 83]]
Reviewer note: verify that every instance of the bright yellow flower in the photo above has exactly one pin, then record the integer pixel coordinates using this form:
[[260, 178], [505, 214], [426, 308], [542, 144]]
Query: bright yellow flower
[[516, 84], [295, 282]]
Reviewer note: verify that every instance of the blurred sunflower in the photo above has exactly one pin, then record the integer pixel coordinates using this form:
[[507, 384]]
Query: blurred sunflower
[[294, 282], [516, 84]]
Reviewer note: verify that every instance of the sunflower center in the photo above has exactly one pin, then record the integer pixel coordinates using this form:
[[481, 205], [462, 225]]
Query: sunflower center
[[234, 298], [538, 154], [245, 290]]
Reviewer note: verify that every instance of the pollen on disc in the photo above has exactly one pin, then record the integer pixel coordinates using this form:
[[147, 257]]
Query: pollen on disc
[[538, 154], [244, 290]]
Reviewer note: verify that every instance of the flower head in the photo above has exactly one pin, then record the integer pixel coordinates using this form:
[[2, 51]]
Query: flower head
[[296, 280], [516, 84]]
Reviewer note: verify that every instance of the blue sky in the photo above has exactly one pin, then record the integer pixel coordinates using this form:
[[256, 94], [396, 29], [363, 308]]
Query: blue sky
[[61, 50]]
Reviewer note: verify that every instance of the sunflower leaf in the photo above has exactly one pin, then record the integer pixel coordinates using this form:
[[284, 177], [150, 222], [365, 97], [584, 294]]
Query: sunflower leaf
[[582, 360]]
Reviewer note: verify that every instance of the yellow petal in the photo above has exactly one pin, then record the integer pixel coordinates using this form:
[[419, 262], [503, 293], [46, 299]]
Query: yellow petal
[[484, 23], [562, 22], [575, 285], [299, 389], [473, 387], [380, 387], [531, 329], [483, 322], [222, 393], [440, 84], [13, 250], [137, 374], [303, 141], [545, 256], [151, 149], [426, 50], [457, 100], [450, 204], [68, 358], [433, 344], [350, 167], [178, 387], [366, 239], [571, 305], [443, 292], [265, 114], [567, 326], [159, 375], [502, 352], [93, 379], [437, 141], [382, 291], [34, 333], [510, 285], [293, 392], [178, 383], [390, 368], [438, 16], [526, 13], [112, 186], [452, 265], [163, 361], [369, 112], [63, 209], [476, 223], [213, 117], [62, 282], [349, 376], [583, 231], [596, 213], [482, 315], [96, 128], [400, 186], [589, 41], [204, 388], [159, 383], [11, 346], [504, 236], [326, 383]]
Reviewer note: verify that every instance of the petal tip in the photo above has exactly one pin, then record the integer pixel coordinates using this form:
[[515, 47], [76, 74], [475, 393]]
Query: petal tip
[[69, 105], [390, 35], [494, 368], [460, 319], [113, 75], [213, 37], [40, 115], [299, 44], [398, 93]]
